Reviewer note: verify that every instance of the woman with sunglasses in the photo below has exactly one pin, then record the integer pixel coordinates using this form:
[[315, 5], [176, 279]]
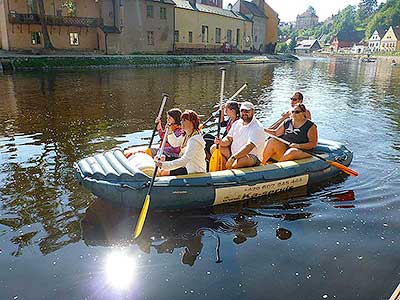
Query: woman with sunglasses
[[192, 157], [298, 130], [297, 98]]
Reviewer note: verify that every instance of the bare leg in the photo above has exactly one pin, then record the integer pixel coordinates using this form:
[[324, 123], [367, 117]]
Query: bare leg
[[273, 149], [243, 162], [293, 154]]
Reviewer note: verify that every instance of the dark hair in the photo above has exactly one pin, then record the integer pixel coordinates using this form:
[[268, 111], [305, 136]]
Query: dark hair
[[300, 95], [175, 113], [301, 106], [233, 105], [193, 117]]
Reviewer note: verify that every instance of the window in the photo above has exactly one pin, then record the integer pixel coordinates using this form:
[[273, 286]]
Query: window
[[149, 10], [163, 13], [150, 38], [190, 37], [229, 36], [176, 36], [204, 34], [217, 35], [74, 38], [237, 37], [32, 7], [255, 39], [36, 38]]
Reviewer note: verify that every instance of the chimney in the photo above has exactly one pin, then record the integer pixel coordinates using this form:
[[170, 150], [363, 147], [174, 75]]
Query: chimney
[[193, 3]]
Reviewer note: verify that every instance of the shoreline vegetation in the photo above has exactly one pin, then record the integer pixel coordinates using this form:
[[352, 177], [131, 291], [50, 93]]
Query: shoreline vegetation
[[375, 55], [20, 62]]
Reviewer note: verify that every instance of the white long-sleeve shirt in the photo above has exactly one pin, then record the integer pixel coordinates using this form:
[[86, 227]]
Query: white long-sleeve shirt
[[192, 157]]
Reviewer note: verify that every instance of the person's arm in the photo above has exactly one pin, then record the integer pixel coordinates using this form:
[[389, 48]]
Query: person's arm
[[283, 117], [246, 149], [193, 148], [278, 131], [312, 135]]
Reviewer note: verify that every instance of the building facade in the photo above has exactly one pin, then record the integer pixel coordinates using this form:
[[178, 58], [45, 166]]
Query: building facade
[[346, 40], [257, 16], [105, 26], [69, 29], [306, 20], [391, 40], [139, 26], [202, 28], [374, 42], [306, 47], [271, 33]]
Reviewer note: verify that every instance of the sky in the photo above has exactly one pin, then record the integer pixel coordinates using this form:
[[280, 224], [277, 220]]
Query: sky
[[289, 9]]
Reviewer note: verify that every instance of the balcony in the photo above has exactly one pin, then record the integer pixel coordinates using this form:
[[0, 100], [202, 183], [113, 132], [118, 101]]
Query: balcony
[[15, 18]]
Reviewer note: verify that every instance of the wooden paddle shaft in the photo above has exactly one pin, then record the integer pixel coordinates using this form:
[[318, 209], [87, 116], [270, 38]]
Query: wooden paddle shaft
[[165, 97], [221, 99]]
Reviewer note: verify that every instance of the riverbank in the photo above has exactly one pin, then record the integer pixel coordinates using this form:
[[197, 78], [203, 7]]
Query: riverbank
[[34, 62]]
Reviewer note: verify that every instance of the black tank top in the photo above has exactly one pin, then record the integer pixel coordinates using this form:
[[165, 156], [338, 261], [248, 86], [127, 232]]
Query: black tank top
[[296, 135]]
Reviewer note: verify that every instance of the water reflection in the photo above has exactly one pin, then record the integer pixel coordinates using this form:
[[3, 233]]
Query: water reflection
[[49, 120], [105, 225]]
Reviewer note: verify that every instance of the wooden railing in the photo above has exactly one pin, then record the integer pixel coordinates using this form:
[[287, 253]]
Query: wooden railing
[[16, 18]]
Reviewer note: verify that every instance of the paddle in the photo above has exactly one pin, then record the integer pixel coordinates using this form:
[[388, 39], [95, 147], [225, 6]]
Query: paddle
[[148, 150], [245, 85], [335, 164], [146, 204], [216, 159]]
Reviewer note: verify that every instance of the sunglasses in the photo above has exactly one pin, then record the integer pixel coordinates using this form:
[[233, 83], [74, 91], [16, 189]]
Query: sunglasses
[[245, 110], [297, 111], [294, 99]]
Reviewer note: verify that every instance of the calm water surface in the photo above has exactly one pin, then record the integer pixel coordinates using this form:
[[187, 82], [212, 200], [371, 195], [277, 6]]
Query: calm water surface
[[339, 240]]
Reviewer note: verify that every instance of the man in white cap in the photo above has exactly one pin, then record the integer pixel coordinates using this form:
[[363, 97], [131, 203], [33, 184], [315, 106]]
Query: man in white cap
[[243, 146]]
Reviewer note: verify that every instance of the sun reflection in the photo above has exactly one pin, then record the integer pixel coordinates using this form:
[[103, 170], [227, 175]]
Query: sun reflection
[[120, 268]]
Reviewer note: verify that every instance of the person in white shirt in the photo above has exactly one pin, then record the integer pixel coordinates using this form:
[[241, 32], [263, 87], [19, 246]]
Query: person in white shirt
[[244, 144], [192, 157]]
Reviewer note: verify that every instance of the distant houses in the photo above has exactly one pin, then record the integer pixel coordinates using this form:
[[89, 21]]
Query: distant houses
[[306, 47], [138, 26]]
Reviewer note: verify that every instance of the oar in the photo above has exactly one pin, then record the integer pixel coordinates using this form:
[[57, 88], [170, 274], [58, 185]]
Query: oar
[[148, 150], [245, 85], [335, 164], [216, 158], [145, 208]]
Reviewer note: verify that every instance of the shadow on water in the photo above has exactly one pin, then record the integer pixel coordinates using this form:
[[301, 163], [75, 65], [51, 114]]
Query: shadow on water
[[105, 225]]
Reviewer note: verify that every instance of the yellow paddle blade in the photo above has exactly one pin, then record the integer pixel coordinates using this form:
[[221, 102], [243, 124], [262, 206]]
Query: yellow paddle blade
[[343, 168], [216, 161], [148, 152], [142, 217]]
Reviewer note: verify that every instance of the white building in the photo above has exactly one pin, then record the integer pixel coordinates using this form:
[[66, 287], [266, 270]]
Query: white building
[[374, 42]]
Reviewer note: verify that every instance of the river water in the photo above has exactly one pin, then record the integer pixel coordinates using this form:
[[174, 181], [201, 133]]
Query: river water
[[339, 240]]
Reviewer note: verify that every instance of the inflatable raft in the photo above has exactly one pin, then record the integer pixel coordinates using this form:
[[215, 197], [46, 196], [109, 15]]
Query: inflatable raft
[[111, 177]]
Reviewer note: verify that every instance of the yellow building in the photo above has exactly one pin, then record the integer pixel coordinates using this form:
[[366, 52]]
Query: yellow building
[[204, 28], [271, 36], [76, 28], [105, 26], [391, 40]]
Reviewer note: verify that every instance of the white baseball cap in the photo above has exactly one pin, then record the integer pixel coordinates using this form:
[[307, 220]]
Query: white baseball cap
[[247, 105]]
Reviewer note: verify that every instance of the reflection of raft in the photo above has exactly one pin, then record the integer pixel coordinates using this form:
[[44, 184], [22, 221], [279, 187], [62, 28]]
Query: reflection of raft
[[113, 179]]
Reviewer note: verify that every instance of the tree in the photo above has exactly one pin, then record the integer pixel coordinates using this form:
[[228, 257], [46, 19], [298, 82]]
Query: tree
[[42, 17], [366, 8], [387, 15], [311, 10], [292, 44]]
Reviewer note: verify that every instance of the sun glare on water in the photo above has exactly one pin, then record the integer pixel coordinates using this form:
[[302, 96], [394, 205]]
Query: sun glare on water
[[120, 268]]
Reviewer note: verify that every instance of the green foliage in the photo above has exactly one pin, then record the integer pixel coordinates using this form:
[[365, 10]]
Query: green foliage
[[387, 15], [281, 48], [366, 16], [70, 6]]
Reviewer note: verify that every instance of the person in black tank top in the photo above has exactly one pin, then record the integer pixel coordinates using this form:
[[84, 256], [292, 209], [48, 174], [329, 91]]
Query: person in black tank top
[[298, 130]]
